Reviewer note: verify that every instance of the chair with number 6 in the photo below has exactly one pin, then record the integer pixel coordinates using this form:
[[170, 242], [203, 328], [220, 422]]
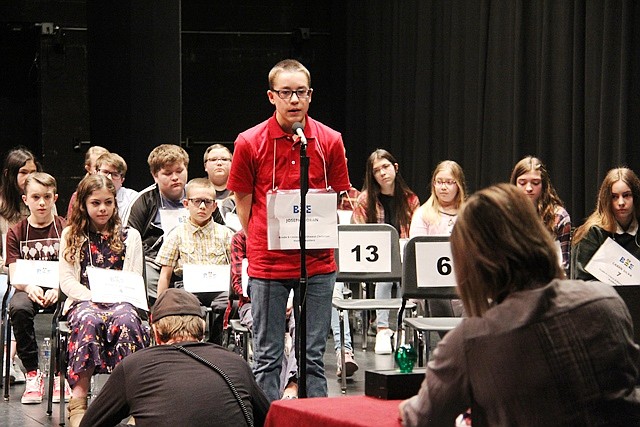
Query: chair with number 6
[[427, 273]]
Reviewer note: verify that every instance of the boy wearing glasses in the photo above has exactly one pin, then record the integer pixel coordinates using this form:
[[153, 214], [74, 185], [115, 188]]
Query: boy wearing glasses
[[199, 241], [267, 157], [114, 167]]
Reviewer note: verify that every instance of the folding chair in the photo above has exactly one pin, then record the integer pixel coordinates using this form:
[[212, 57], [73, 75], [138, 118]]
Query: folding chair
[[5, 339], [60, 334], [5, 357], [370, 253], [432, 256]]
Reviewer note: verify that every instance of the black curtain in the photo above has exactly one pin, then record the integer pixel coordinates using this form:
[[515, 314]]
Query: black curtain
[[487, 82]]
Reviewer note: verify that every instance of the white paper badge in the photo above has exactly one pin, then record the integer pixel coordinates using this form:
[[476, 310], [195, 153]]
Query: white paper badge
[[368, 252], [283, 219], [614, 265], [206, 277], [39, 273], [113, 286], [434, 264], [171, 218]]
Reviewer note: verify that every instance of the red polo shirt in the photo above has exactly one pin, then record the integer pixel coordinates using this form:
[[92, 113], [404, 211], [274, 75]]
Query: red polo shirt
[[252, 172]]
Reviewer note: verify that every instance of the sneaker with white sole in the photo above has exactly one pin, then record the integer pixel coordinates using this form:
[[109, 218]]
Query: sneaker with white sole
[[34, 389], [56, 390], [350, 364], [383, 341]]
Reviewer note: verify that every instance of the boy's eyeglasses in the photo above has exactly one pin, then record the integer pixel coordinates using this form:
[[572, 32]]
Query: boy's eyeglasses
[[288, 93], [198, 202], [107, 172]]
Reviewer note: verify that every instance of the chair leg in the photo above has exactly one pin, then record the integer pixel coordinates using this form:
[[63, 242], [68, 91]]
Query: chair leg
[[343, 380], [7, 354], [52, 367], [62, 369]]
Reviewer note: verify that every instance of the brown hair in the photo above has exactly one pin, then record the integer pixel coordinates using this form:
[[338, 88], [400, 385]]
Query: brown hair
[[114, 160], [179, 328], [79, 220], [41, 178], [401, 192], [499, 247], [549, 199], [290, 65], [603, 215], [10, 194], [166, 154]]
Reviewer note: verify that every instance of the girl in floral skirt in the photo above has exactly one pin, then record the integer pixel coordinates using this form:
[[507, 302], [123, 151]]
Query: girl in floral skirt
[[101, 334]]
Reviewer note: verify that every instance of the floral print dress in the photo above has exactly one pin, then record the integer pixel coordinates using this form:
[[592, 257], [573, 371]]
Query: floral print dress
[[102, 334]]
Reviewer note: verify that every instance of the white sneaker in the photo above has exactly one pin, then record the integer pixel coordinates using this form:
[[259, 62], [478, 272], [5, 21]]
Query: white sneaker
[[383, 341], [56, 390], [34, 390]]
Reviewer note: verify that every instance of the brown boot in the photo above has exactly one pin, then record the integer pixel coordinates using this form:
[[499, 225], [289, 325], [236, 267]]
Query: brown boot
[[77, 407]]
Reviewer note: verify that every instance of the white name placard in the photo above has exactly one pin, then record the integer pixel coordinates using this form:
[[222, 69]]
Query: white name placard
[[614, 265], [206, 277], [171, 218], [283, 220], [113, 286], [39, 273], [364, 252], [434, 264]]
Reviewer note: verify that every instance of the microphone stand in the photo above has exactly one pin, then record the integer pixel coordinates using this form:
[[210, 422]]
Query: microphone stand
[[300, 296]]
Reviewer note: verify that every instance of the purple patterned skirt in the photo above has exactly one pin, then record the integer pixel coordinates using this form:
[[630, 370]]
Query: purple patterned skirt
[[101, 335]]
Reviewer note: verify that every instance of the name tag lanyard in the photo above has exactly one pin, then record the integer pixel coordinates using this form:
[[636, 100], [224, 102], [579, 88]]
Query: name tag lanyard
[[299, 295]]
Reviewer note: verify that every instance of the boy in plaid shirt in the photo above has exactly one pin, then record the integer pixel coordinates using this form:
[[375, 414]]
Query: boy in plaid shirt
[[199, 241]]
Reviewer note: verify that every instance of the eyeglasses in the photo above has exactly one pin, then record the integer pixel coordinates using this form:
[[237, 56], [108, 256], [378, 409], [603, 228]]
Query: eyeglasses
[[198, 202], [288, 93], [107, 172], [447, 182], [219, 159]]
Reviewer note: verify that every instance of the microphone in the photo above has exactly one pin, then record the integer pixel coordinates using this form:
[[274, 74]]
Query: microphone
[[298, 129]]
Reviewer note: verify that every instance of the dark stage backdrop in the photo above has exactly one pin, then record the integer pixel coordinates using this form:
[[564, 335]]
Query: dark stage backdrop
[[487, 82]]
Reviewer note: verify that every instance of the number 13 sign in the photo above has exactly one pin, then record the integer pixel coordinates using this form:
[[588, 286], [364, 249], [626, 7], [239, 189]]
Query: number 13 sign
[[364, 252], [434, 264]]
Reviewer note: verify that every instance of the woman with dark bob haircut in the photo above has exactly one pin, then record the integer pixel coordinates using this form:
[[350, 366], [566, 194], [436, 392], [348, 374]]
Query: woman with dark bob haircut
[[536, 349]]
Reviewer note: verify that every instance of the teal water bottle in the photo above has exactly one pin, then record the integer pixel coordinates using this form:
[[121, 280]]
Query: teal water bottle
[[406, 357]]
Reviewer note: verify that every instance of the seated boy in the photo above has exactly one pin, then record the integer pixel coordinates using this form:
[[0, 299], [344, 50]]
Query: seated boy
[[199, 241], [160, 207], [113, 166], [36, 237]]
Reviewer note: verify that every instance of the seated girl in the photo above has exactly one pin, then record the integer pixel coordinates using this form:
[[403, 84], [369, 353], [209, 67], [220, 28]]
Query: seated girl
[[101, 334]]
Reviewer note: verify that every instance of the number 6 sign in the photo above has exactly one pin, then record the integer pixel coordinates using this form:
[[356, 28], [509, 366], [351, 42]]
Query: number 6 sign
[[434, 264], [364, 252]]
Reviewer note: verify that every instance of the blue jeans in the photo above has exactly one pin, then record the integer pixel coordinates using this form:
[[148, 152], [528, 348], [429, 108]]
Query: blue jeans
[[268, 306], [383, 291], [335, 321]]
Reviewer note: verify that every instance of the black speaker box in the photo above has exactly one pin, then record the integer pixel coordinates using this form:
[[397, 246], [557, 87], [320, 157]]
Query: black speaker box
[[392, 384]]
